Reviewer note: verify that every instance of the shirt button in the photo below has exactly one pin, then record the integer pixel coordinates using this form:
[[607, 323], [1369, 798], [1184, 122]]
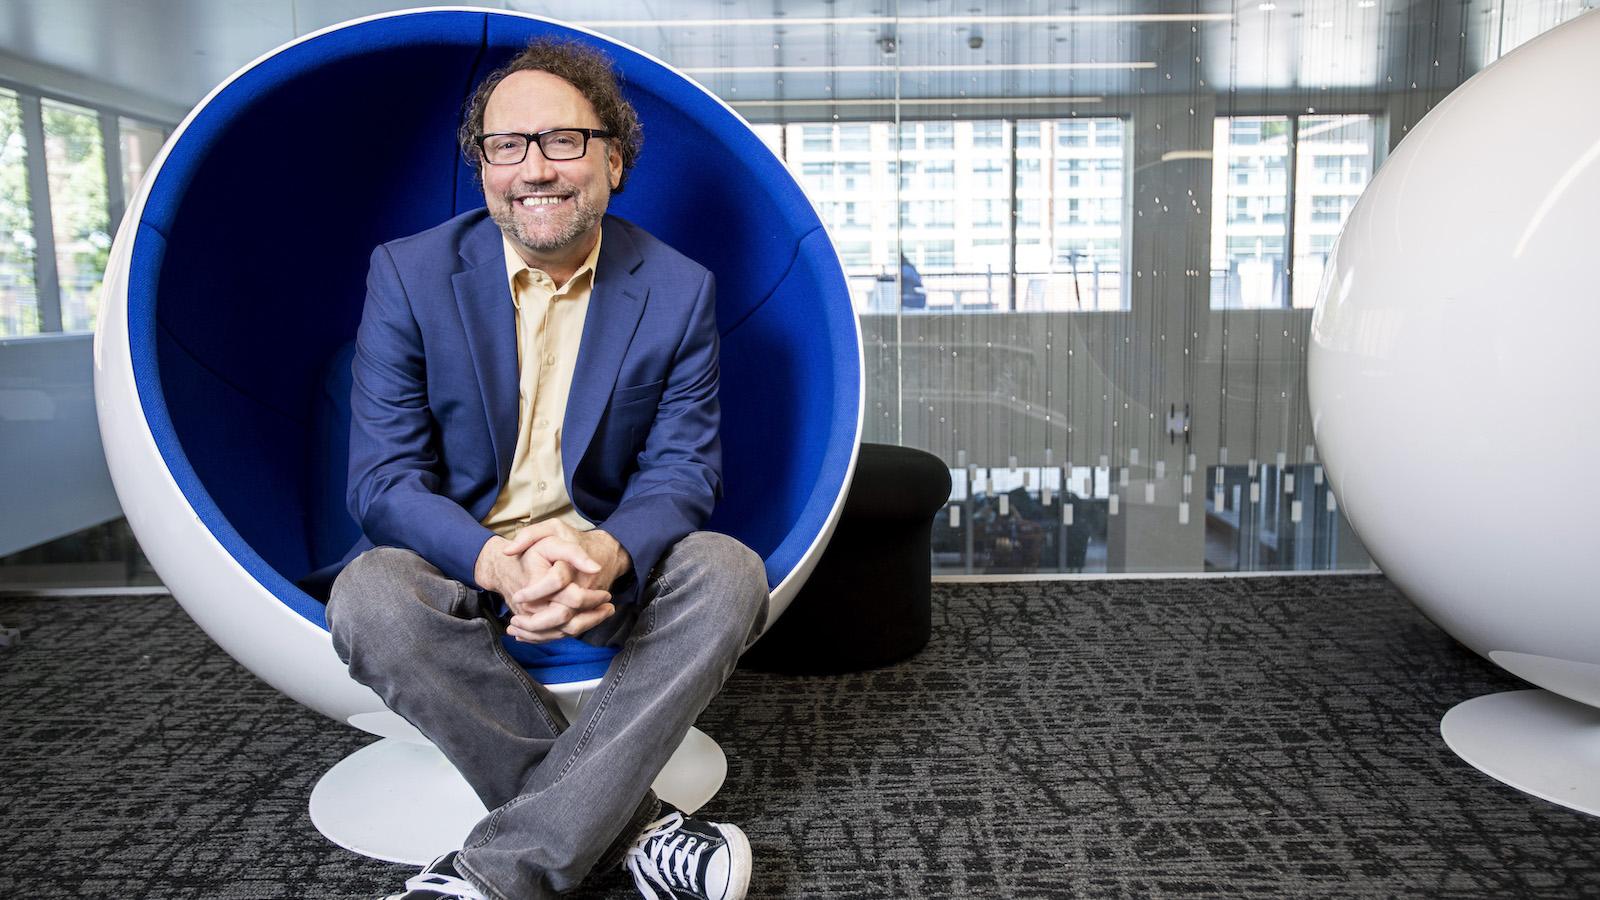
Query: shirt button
[[549, 360], [541, 487], [541, 424]]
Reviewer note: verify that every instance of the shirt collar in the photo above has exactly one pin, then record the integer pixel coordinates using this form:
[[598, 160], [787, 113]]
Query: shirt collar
[[515, 266]]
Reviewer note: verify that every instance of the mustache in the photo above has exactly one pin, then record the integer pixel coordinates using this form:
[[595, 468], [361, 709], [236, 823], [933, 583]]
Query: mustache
[[554, 187]]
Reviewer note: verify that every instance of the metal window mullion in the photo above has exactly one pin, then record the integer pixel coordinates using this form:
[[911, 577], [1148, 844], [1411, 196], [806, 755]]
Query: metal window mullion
[[1290, 186], [47, 289], [1011, 239], [111, 153]]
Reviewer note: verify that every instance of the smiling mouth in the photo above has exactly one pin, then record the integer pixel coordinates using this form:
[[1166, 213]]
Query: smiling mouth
[[540, 200]]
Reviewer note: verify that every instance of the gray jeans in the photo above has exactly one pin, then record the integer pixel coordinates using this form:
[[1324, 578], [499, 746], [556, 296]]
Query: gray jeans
[[560, 797]]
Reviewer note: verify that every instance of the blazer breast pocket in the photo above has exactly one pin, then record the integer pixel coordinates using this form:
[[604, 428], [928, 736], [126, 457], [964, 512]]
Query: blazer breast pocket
[[638, 393]]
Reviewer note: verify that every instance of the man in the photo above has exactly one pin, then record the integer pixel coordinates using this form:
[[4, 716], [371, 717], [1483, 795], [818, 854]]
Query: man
[[533, 448]]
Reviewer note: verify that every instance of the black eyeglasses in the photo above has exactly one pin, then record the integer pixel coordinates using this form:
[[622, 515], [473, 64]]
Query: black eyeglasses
[[510, 148]]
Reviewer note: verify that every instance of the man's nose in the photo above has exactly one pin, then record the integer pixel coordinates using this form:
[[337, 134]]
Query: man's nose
[[536, 168]]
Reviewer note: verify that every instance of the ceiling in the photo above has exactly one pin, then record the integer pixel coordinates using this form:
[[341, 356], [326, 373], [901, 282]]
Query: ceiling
[[935, 51]]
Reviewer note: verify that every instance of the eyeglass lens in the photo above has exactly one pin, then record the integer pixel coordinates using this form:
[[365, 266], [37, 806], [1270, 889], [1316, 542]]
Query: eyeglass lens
[[508, 149]]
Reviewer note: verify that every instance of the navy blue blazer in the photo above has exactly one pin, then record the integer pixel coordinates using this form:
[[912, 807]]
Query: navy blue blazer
[[434, 402]]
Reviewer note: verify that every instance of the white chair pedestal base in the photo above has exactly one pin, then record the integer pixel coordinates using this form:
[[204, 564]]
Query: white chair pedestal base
[[402, 801], [1535, 741]]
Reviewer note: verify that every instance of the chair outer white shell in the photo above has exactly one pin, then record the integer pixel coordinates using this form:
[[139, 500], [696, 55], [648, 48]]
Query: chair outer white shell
[[236, 611], [1452, 385]]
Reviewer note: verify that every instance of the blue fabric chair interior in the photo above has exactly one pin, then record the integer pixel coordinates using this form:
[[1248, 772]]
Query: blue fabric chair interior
[[247, 280]]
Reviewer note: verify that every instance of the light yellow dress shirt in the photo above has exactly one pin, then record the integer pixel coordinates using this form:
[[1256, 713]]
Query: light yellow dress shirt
[[549, 329]]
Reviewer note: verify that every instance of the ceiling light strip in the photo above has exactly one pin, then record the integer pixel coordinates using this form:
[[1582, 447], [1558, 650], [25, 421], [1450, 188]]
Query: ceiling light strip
[[903, 21], [974, 67], [921, 101]]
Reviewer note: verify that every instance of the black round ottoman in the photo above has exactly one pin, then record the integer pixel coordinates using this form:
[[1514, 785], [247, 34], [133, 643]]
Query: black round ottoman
[[867, 602]]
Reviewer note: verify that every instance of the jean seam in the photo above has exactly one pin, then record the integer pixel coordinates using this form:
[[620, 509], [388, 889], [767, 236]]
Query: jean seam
[[461, 597], [477, 880], [663, 585], [604, 700], [525, 679]]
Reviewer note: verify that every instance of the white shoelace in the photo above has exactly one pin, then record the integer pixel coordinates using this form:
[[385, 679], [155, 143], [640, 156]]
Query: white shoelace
[[444, 885], [672, 859]]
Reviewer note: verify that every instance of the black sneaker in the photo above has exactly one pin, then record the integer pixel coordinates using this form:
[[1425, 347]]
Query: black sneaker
[[676, 858], [440, 879]]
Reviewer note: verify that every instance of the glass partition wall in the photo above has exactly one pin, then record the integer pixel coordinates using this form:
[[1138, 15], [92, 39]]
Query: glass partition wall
[[1085, 241]]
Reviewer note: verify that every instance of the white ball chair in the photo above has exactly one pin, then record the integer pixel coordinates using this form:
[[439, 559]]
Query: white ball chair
[[1453, 387], [236, 283]]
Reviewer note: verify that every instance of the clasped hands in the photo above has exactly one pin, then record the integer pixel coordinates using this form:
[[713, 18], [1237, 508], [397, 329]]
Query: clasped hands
[[555, 579]]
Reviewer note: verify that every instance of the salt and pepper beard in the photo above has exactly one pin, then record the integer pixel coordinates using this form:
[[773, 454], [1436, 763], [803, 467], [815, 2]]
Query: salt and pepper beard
[[584, 217]]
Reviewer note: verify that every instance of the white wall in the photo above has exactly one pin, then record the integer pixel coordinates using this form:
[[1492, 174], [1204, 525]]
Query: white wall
[[53, 478]]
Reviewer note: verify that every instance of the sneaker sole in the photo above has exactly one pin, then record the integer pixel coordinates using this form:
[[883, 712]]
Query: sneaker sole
[[739, 855]]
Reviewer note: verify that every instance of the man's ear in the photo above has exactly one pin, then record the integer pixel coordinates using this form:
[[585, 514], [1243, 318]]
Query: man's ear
[[614, 169]]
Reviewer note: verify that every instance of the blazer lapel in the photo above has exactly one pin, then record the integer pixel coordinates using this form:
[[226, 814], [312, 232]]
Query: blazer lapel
[[490, 321], [615, 305]]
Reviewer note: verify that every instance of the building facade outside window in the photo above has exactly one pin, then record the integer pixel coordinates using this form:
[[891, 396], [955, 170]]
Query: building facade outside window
[[1068, 236], [74, 154], [90, 162], [19, 302], [1333, 158]]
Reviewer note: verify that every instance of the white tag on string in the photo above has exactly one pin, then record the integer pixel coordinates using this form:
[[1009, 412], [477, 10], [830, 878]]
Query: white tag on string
[[1188, 485], [1066, 513], [1183, 512], [961, 459], [1045, 495], [1013, 463], [1113, 504], [1283, 459], [1133, 456], [1288, 483], [1005, 504], [1316, 476], [1123, 478], [1049, 457], [1149, 492], [1294, 511], [955, 517], [1250, 467], [1333, 502], [1105, 461], [1255, 492], [1194, 462], [1161, 469], [1222, 456], [1311, 453], [1217, 501]]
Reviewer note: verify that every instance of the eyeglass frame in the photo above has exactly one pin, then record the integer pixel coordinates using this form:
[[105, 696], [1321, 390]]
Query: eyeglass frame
[[537, 138]]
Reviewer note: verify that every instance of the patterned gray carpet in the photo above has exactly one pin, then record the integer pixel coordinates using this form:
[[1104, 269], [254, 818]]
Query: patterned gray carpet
[[1253, 737]]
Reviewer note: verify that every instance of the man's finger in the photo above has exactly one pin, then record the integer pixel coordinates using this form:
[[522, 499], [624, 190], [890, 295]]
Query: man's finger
[[579, 598], [540, 621], [528, 536], [551, 582], [555, 548], [535, 637], [550, 617], [586, 620]]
